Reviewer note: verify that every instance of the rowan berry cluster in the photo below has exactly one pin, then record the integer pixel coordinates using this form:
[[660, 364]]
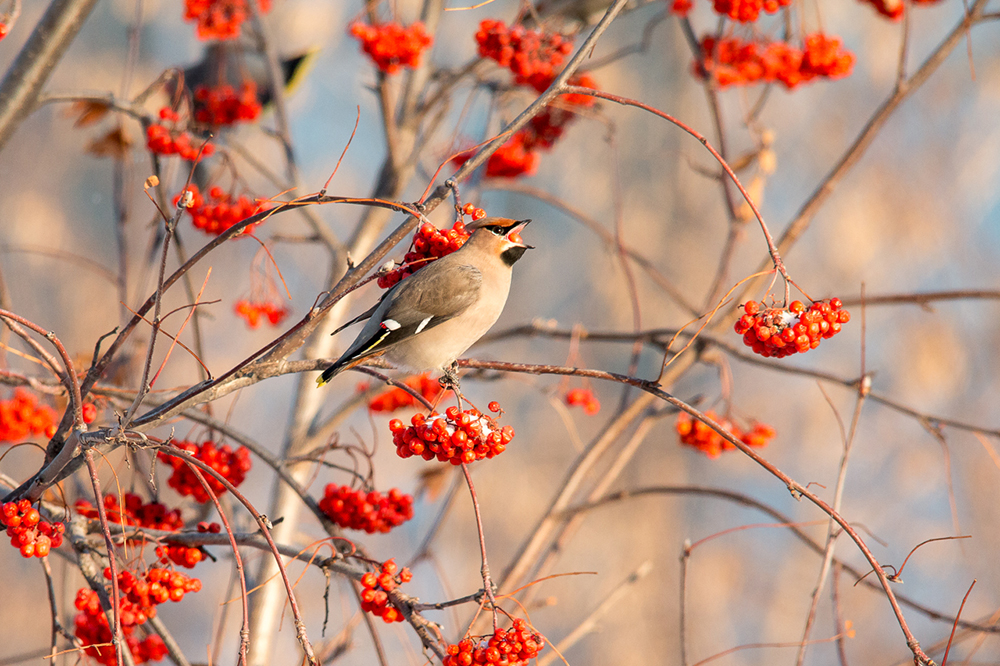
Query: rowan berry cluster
[[141, 594], [732, 61], [456, 437], [506, 647], [429, 243], [376, 587], [220, 19], [396, 398], [255, 312], [153, 515], [747, 11], [220, 211], [583, 398], [392, 46], [27, 531], [171, 140], [223, 105], [781, 332], [696, 434], [519, 156], [232, 465], [91, 627], [22, 417], [372, 511], [533, 56]]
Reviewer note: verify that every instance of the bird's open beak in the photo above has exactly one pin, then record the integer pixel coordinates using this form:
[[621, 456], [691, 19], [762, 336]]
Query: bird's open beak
[[514, 235]]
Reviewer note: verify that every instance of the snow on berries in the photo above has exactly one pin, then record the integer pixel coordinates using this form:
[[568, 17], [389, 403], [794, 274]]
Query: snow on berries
[[585, 398], [232, 465], [22, 416], [456, 436], [153, 515], [781, 332], [368, 511], [733, 61], [429, 243], [510, 647], [396, 398], [392, 46], [375, 589], [31, 535], [700, 436]]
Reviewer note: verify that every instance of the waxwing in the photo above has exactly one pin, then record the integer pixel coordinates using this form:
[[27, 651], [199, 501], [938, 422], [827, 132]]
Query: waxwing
[[431, 317]]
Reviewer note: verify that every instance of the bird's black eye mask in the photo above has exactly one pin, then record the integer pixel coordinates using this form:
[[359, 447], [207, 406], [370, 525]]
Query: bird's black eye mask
[[512, 254]]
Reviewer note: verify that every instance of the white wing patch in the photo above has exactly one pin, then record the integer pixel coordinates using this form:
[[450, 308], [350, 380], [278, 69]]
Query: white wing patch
[[390, 325], [422, 325]]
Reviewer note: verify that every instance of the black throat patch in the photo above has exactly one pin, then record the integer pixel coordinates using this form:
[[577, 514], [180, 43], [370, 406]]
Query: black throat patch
[[512, 254]]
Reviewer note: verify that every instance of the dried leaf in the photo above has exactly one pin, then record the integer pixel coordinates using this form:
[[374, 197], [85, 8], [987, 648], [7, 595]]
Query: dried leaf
[[88, 112], [114, 144]]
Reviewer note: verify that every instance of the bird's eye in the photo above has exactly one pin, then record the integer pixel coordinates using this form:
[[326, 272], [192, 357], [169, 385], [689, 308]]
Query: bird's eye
[[495, 230]]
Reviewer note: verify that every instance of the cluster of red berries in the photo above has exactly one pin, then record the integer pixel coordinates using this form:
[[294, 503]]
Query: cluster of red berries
[[220, 19], [233, 465], [224, 106], [164, 140], [519, 156], [91, 627], [255, 312], [392, 46], [534, 57], [781, 332], [747, 11], [456, 437], [396, 398], [376, 587], [371, 512], [141, 594], [429, 243], [22, 417], [584, 398], [696, 434], [732, 61], [27, 532], [220, 211], [506, 647], [153, 515]]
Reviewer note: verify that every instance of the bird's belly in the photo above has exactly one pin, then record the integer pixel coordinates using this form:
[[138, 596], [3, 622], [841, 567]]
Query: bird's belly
[[439, 346]]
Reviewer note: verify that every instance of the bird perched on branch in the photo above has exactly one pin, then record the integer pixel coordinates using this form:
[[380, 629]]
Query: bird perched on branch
[[430, 318]]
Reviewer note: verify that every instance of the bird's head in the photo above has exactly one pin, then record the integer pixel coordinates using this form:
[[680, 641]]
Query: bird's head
[[499, 236]]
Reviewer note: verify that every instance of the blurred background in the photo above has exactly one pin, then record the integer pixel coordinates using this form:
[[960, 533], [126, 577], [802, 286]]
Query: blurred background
[[919, 212]]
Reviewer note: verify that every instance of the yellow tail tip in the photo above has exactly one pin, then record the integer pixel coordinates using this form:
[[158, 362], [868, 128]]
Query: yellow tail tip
[[320, 381]]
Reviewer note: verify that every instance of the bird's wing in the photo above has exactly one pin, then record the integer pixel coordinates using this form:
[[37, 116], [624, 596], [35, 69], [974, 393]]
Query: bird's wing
[[429, 297], [361, 317], [424, 300]]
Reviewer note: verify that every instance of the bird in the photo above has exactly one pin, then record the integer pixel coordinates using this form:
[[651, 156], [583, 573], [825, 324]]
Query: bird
[[429, 319]]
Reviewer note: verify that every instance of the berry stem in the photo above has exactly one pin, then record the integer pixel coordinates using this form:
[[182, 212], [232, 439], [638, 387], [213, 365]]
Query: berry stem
[[116, 634], [487, 580]]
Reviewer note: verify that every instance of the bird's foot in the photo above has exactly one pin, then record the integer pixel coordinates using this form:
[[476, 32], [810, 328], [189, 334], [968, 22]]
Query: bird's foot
[[449, 380]]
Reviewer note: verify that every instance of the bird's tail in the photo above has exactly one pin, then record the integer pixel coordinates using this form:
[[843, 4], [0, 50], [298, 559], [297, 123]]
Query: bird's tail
[[338, 367]]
